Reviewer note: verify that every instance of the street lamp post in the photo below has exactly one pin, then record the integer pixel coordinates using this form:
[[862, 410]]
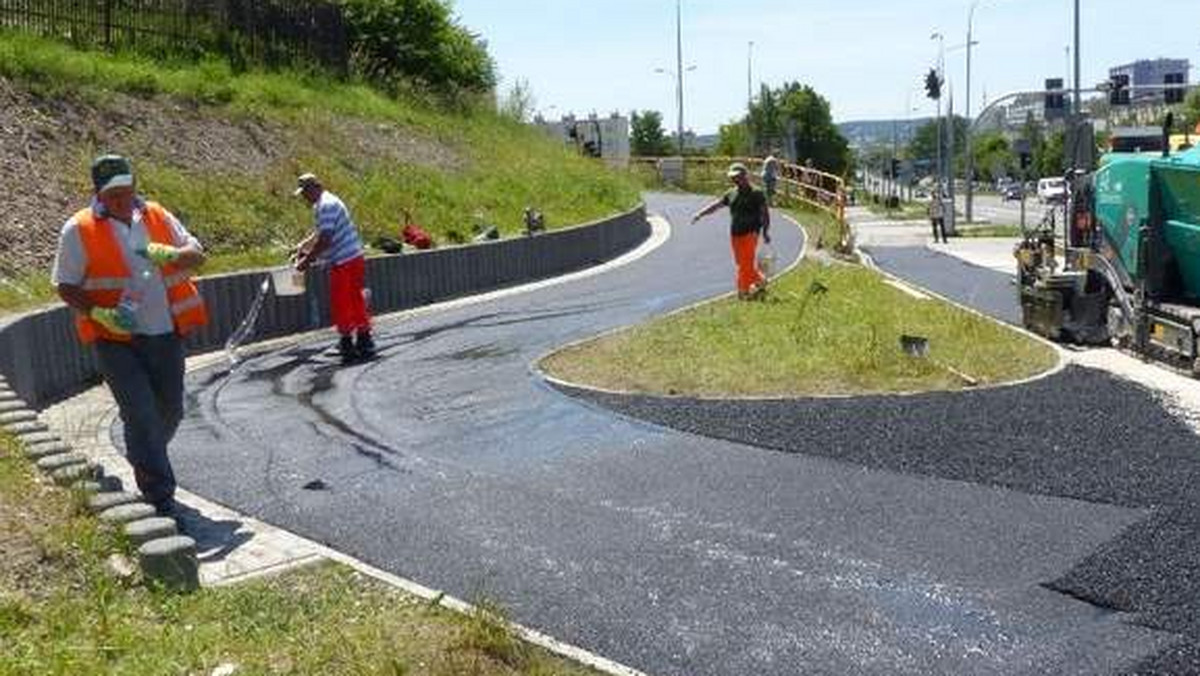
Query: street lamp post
[[679, 68], [970, 153], [750, 96], [678, 77]]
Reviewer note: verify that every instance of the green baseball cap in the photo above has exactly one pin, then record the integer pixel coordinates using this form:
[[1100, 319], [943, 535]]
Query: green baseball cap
[[111, 171]]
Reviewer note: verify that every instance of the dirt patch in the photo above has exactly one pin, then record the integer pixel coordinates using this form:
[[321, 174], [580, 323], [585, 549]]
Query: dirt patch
[[46, 144]]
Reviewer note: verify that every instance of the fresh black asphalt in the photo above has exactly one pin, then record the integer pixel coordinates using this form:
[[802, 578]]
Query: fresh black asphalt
[[869, 547]]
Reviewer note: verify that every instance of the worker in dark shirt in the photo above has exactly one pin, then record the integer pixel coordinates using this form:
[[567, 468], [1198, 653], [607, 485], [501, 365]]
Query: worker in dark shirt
[[750, 219]]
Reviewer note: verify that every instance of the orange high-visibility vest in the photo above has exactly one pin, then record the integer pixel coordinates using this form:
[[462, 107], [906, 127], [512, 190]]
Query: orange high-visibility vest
[[107, 275]]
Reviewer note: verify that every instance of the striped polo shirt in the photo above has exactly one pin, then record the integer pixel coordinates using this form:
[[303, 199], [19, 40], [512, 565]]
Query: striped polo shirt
[[333, 220]]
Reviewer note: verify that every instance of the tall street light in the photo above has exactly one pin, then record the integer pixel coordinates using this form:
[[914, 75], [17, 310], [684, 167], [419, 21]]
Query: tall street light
[[678, 77], [679, 67], [970, 154], [750, 96]]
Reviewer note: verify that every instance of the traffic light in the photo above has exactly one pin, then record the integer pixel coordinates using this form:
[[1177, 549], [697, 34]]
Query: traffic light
[[895, 168], [1174, 91], [1054, 101], [1118, 90], [933, 84]]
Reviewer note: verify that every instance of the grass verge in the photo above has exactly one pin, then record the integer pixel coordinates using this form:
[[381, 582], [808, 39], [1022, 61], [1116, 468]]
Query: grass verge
[[452, 169], [64, 612], [989, 231], [825, 330]]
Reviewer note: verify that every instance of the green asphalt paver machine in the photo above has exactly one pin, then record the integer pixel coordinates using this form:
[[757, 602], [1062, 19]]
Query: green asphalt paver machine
[[1125, 267]]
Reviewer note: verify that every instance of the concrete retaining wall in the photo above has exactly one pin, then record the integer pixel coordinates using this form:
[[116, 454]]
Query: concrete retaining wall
[[44, 362]]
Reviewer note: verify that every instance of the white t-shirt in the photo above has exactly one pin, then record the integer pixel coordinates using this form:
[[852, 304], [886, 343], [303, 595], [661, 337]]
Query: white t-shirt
[[153, 316]]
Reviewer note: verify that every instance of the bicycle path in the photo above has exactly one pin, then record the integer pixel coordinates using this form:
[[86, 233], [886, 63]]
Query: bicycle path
[[449, 462]]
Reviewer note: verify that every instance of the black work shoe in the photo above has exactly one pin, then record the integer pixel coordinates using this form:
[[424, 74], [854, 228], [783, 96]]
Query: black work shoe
[[365, 345], [346, 348], [166, 507]]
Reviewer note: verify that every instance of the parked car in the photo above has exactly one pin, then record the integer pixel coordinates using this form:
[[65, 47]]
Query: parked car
[[1012, 191], [1052, 190]]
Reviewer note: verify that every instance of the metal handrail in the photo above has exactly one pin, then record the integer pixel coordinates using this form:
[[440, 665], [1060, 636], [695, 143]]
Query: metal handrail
[[819, 189]]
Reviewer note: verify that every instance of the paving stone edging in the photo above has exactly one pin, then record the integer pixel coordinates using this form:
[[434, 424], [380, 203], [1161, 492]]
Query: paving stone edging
[[166, 559]]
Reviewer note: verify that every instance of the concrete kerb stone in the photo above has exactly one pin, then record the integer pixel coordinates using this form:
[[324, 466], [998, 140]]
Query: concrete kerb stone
[[51, 463], [144, 530], [36, 452], [88, 471], [39, 437], [171, 562], [123, 514], [22, 429], [19, 415], [101, 502], [12, 404]]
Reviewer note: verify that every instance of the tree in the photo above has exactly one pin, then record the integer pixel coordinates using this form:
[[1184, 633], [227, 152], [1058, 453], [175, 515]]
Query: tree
[[519, 103], [923, 146], [993, 157], [734, 139], [646, 135], [394, 42]]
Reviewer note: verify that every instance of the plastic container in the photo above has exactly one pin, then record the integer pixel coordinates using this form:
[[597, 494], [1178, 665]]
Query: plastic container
[[288, 281], [766, 261]]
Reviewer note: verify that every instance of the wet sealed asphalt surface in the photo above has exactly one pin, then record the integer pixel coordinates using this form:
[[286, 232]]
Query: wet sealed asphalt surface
[[941, 534]]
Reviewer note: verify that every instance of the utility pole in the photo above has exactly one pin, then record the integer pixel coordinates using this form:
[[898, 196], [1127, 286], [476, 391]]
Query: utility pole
[[679, 68], [1078, 108], [939, 170], [970, 154], [750, 97]]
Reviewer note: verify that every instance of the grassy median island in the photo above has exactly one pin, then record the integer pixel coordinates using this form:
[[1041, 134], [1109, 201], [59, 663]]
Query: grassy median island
[[63, 611], [827, 329]]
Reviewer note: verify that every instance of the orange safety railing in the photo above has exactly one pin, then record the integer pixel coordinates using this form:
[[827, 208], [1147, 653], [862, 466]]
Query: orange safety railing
[[799, 183]]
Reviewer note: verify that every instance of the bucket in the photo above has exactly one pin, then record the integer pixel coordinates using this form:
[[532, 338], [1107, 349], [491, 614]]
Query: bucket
[[766, 261], [288, 281]]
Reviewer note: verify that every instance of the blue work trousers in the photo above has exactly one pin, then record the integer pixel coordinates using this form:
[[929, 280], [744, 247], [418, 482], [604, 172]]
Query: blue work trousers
[[146, 378]]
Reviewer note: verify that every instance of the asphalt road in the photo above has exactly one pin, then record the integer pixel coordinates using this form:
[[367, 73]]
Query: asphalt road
[[993, 209], [448, 461]]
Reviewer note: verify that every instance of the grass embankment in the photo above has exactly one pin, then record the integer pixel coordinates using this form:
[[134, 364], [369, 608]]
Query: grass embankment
[[991, 230], [826, 329], [64, 612], [452, 168]]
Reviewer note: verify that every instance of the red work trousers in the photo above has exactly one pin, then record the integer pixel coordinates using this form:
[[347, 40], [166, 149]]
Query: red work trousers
[[744, 249], [347, 303]]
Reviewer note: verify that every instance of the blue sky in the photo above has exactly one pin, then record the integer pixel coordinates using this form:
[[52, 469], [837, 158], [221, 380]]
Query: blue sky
[[866, 56]]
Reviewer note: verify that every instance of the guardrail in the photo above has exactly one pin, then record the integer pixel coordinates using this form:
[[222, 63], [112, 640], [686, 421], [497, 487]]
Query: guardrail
[[44, 362], [796, 183]]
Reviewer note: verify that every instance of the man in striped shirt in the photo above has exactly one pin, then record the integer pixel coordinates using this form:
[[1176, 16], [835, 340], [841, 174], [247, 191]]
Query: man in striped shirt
[[336, 240]]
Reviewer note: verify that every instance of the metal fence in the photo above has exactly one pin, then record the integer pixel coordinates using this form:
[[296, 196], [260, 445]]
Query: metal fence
[[796, 183], [270, 33]]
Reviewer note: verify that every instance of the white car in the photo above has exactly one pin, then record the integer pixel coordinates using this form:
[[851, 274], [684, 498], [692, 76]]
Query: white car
[[1051, 190]]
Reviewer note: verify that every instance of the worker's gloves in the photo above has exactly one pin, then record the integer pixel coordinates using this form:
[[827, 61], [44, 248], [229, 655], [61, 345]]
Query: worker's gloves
[[118, 320], [161, 254]]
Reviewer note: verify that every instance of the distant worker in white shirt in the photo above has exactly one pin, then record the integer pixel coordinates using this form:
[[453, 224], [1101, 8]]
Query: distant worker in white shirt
[[336, 240]]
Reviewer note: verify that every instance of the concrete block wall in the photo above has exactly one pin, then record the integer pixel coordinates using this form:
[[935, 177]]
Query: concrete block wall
[[43, 361]]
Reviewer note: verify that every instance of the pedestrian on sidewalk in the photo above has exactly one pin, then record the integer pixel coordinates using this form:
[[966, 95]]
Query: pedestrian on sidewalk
[[335, 239], [770, 176], [750, 219], [937, 218], [124, 265]]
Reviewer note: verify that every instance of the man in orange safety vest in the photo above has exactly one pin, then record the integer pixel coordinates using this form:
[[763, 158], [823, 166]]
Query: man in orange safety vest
[[124, 265]]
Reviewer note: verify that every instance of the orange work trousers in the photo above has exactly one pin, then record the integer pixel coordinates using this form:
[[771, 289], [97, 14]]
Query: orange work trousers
[[744, 249]]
